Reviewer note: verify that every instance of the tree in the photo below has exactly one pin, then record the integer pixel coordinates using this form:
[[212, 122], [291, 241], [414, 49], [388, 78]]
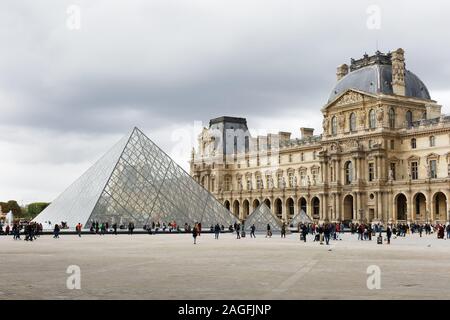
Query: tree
[[37, 207]]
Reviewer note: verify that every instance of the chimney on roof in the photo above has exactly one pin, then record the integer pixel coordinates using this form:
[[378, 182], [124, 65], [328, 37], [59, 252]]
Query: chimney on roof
[[398, 72], [306, 132], [342, 71]]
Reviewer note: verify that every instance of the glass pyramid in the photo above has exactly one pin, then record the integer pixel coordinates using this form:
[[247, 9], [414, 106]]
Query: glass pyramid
[[261, 217], [300, 218], [136, 182]]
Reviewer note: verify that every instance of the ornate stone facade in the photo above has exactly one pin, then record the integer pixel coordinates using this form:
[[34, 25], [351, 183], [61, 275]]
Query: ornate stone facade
[[384, 155]]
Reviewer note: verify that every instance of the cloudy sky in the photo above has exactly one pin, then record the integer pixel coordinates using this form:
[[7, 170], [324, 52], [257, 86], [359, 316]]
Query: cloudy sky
[[69, 90]]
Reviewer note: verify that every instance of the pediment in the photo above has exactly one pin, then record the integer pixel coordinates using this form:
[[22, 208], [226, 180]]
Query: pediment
[[349, 97]]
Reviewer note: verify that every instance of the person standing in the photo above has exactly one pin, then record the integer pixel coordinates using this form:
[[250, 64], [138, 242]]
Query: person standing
[[216, 231], [115, 228], [78, 229], [304, 232], [56, 231], [195, 233], [252, 231], [388, 234], [238, 229], [269, 232], [283, 230], [326, 232]]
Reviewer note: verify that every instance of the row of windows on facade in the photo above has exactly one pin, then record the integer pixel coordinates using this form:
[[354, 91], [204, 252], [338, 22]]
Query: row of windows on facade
[[372, 120], [348, 171]]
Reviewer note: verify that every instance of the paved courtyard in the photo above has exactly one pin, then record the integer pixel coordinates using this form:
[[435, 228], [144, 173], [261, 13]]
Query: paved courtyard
[[171, 267]]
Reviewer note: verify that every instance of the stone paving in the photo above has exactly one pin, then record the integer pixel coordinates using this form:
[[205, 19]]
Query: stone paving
[[171, 267]]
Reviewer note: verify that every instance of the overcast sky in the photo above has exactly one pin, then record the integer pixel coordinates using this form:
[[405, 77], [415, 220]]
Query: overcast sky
[[69, 91]]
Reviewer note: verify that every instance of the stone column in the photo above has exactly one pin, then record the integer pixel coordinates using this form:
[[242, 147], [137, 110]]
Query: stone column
[[338, 207]]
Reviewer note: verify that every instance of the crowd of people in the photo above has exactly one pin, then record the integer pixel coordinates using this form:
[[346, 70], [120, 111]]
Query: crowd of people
[[321, 233]]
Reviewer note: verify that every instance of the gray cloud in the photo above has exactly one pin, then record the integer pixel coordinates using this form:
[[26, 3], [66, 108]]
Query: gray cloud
[[163, 64]]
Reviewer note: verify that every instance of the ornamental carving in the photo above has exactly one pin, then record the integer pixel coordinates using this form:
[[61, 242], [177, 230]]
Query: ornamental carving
[[380, 114], [350, 97]]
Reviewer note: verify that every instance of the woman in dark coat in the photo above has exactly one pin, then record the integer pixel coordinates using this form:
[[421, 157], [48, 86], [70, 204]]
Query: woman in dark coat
[[388, 235]]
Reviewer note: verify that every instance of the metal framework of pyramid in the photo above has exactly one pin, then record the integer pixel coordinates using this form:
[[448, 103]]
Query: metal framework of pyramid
[[261, 217], [301, 217], [135, 182]]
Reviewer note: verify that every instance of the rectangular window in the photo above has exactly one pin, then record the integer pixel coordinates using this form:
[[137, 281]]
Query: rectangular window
[[249, 184], [392, 144], [258, 182], [290, 158], [433, 169], [371, 171], [227, 184], [414, 171]]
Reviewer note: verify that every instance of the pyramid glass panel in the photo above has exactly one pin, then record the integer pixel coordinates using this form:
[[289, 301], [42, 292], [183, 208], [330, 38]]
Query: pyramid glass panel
[[261, 217], [137, 182], [300, 218]]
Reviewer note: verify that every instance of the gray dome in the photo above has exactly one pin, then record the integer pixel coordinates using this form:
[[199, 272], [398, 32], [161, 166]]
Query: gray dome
[[378, 79]]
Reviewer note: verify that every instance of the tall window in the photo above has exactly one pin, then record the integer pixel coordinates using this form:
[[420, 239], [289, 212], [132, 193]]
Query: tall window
[[314, 155], [409, 118], [303, 178], [334, 126], [291, 179], [432, 141], [290, 157], [433, 169], [280, 180], [227, 183], [302, 156], [258, 182], [249, 184], [413, 143], [372, 122], [348, 172], [247, 144], [392, 173], [371, 171], [352, 122], [391, 117], [414, 170]]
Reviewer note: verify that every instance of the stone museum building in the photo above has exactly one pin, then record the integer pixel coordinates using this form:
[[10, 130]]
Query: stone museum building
[[383, 155]]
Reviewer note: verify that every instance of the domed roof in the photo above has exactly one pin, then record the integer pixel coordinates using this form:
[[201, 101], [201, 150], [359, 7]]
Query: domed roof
[[377, 78]]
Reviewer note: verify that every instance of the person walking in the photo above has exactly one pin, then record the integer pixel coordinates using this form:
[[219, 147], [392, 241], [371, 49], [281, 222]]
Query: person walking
[[283, 230], [78, 229], [388, 234], [195, 233], [115, 228], [269, 232], [238, 229], [130, 228], [252, 231], [56, 230], [321, 234], [216, 231], [326, 233], [448, 231], [304, 232]]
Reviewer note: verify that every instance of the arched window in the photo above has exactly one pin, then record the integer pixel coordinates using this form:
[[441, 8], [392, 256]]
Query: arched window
[[391, 118], [348, 172], [424, 115], [372, 122], [352, 122], [413, 143], [334, 126], [408, 118], [432, 141]]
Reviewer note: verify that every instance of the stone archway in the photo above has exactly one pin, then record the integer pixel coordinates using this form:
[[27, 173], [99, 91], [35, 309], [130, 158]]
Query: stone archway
[[255, 204], [420, 207], [245, 209], [290, 208], [236, 208], [227, 204], [401, 207], [303, 204], [348, 208], [278, 208], [440, 207], [315, 205], [267, 202]]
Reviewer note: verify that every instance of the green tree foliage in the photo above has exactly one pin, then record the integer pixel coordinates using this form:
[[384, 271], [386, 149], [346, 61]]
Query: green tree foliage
[[13, 206], [35, 208]]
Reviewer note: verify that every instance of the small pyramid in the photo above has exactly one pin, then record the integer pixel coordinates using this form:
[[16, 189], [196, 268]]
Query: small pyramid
[[135, 182], [300, 218], [261, 217]]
